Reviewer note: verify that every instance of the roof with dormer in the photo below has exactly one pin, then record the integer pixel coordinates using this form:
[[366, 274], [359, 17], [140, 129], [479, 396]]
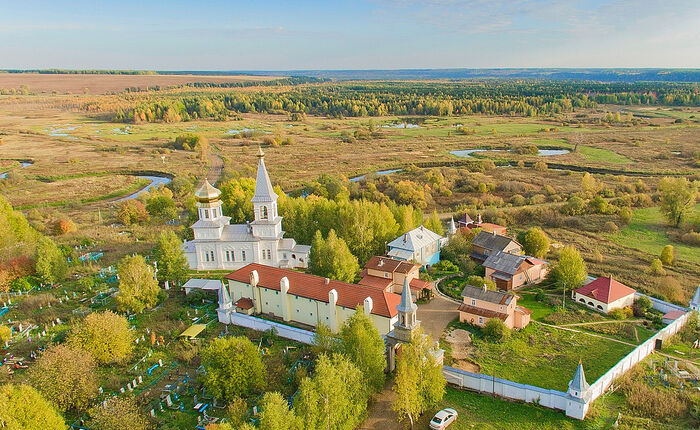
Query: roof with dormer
[[416, 239], [317, 288], [263, 186], [207, 192]]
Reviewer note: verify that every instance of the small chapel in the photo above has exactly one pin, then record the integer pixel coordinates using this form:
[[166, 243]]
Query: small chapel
[[219, 245]]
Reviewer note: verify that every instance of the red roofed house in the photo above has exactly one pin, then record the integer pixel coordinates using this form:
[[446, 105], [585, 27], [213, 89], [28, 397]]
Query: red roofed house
[[467, 223], [605, 294], [388, 274], [308, 299]]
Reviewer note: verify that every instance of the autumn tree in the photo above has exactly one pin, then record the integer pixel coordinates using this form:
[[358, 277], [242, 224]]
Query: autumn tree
[[67, 376], [131, 212], [335, 398], [570, 270], [276, 414], [324, 340], [138, 289], [50, 263], [677, 199], [23, 408], [434, 224], [119, 413], [535, 242], [104, 335], [5, 334], [172, 262], [419, 384], [233, 367], [65, 226], [362, 343], [331, 258]]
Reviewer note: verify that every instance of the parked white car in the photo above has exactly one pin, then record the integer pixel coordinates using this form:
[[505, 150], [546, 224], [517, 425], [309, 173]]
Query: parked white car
[[443, 419]]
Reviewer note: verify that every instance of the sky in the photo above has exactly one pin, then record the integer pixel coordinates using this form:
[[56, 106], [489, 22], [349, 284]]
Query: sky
[[360, 34]]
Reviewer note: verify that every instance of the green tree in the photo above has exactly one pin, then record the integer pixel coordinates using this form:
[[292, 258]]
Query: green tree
[[496, 329], [419, 384], [23, 408], [138, 289], [118, 414], [667, 255], [233, 367], [276, 414], [50, 263], [434, 224], [570, 270], [335, 398], [104, 335], [478, 281], [172, 263], [331, 258], [162, 206], [67, 376], [236, 195], [363, 344], [536, 242], [325, 341], [677, 199]]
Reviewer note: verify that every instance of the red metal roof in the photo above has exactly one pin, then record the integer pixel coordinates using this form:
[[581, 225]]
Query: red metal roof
[[244, 303], [316, 288], [482, 312], [673, 315], [605, 290], [375, 282], [388, 264], [420, 284]]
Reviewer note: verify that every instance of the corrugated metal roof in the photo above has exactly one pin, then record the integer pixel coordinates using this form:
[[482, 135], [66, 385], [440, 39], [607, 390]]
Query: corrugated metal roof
[[415, 239], [486, 295]]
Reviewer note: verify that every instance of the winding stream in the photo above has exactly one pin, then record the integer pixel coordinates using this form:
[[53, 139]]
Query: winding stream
[[155, 181], [3, 175]]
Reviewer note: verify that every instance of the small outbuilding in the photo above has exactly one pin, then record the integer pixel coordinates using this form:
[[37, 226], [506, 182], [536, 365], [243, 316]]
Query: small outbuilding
[[671, 316], [605, 294]]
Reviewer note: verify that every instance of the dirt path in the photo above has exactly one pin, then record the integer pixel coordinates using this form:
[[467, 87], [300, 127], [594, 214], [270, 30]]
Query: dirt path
[[599, 322], [380, 414], [216, 165]]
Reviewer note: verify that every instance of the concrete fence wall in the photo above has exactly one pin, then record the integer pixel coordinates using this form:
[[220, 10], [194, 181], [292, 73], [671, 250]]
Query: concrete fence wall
[[487, 384], [635, 356], [259, 324], [660, 305]]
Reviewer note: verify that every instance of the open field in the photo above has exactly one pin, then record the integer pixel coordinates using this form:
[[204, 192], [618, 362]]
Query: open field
[[546, 357], [102, 84], [648, 232]]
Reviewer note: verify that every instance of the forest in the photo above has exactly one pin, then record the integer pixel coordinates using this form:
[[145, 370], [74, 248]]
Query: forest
[[520, 98]]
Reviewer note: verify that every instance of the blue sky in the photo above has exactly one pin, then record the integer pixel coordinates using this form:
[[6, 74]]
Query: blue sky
[[376, 34]]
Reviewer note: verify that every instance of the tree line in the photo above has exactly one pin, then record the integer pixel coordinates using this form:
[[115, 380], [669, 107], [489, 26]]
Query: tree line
[[525, 98]]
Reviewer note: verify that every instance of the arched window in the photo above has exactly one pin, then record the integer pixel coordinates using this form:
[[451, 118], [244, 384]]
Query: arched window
[[600, 307], [263, 212], [582, 300], [590, 304]]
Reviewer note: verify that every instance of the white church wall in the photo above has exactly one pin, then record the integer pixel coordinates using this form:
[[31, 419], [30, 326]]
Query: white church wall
[[283, 330]]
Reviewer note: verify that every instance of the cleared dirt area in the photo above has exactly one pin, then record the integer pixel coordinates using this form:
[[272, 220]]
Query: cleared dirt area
[[101, 84]]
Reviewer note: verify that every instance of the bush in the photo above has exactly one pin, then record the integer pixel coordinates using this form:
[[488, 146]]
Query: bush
[[478, 281], [446, 266], [611, 227], [540, 165], [691, 238], [653, 402], [667, 255], [131, 212], [657, 268], [670, 288], [495, 329], [621, 313], [625, 215]]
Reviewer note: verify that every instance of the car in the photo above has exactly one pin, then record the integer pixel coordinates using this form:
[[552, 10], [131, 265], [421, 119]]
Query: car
[[443, 419]]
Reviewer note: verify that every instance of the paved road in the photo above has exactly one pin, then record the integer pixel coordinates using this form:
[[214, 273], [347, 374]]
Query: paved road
[[434, 317]]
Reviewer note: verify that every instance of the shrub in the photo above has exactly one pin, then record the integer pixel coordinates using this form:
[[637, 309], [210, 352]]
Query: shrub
[[620, 313], [611, 227], [657, 268], [65, 226], [625, 215], [667, 255], [653, 402], [131, 212], [670, 288], [478, 281], [691, 238], [496, 329], [540, 165]]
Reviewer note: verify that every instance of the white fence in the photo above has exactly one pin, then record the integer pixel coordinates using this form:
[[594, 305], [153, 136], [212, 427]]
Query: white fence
[[482, 383], [638, 354], [259, 324], [660, 305]]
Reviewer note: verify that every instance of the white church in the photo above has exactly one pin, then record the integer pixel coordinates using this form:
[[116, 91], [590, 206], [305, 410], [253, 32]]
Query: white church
[[219, 245]]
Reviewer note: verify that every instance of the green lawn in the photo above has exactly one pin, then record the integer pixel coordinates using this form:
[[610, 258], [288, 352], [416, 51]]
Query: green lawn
[[539, 310], [597, 155], [477, 411], [647, 232], [547, 357]]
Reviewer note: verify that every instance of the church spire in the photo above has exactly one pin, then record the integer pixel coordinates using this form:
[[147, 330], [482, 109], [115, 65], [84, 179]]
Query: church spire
[[406, 305], [263, 187], [578, 386]]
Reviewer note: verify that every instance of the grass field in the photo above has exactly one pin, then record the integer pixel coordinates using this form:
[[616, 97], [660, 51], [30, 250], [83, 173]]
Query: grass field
[[546, 357], [491, 413], [648, 232]]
